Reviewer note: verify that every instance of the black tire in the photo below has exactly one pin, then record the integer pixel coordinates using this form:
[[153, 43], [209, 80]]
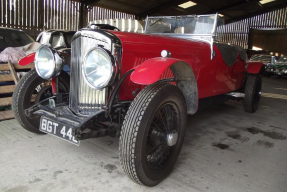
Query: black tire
[[252, 92], [27, 88], [137, 134]]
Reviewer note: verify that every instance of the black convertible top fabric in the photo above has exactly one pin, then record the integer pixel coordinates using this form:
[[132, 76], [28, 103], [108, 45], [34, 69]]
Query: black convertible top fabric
[[242, 53], [230, 53]]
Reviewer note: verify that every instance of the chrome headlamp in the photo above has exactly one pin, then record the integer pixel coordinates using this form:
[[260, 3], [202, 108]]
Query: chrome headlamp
[[48, 63], [99, 68]]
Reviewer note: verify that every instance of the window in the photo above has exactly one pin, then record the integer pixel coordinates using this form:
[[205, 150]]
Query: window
[[13, 38]]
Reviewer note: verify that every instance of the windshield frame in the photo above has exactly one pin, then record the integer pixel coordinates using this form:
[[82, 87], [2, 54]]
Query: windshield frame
[[208, 38], [159, 18]]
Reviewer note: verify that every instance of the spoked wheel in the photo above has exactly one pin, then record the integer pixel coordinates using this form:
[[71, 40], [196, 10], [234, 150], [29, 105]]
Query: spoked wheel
[[162, 136], [32, 89], [41, 92], [152, 133], [252, 93]]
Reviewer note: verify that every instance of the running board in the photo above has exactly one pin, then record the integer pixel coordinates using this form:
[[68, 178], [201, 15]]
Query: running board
[[237, 95]]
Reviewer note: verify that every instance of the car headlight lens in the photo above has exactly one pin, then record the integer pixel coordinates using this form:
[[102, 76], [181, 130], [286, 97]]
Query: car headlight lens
[[98, 68], [47, 62]]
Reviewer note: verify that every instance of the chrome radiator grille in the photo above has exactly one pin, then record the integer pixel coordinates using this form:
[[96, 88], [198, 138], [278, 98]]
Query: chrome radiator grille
[[83, 98]]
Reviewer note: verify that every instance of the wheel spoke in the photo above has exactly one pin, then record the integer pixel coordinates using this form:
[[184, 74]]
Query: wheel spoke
[[160, 156], [164, 122], [154, 147], [163, 156], [156, 154], [172, 120], [160, 129], [166, 117]]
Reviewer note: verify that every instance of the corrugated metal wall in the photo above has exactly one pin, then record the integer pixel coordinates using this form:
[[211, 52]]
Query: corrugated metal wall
[[36, 15], [128, 25], [33, 16], [97, 13], [237, 33], [60, 14]]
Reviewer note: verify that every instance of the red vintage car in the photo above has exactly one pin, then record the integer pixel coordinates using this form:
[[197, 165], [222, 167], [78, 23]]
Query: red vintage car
[[138, 87]]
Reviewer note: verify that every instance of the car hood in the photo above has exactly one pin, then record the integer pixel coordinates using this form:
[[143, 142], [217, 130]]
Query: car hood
[[150, 39]]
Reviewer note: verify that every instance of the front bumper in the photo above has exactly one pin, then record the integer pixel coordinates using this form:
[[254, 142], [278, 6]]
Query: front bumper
[[79, 123]]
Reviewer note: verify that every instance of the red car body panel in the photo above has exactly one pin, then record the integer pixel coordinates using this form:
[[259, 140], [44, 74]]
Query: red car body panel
[[53, 83], [139, 76], [254, 67], [27, 60], [142, 51], [214, 77]]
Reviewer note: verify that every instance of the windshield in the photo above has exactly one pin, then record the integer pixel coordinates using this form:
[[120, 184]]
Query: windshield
[[195, 24], [13, 38]]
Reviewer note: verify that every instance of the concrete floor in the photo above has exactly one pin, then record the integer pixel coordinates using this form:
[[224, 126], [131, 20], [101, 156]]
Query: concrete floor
[[225, 150]]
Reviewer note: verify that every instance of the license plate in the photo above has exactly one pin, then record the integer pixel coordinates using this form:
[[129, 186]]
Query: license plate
[[58, 129]]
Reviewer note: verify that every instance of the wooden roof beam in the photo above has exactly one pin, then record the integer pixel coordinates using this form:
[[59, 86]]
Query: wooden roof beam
[[91, 2]]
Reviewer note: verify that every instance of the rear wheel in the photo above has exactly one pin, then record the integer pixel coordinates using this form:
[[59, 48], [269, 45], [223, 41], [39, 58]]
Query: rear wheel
[[32, 89], [152, 133], [252, 92]]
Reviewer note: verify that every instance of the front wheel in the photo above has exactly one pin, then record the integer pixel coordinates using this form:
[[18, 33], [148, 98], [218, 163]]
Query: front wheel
[[32, 89], [252, 92], [152, 133]]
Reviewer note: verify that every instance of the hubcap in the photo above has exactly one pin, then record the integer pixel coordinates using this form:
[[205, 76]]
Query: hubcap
[[257, 94], [172, 138]]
